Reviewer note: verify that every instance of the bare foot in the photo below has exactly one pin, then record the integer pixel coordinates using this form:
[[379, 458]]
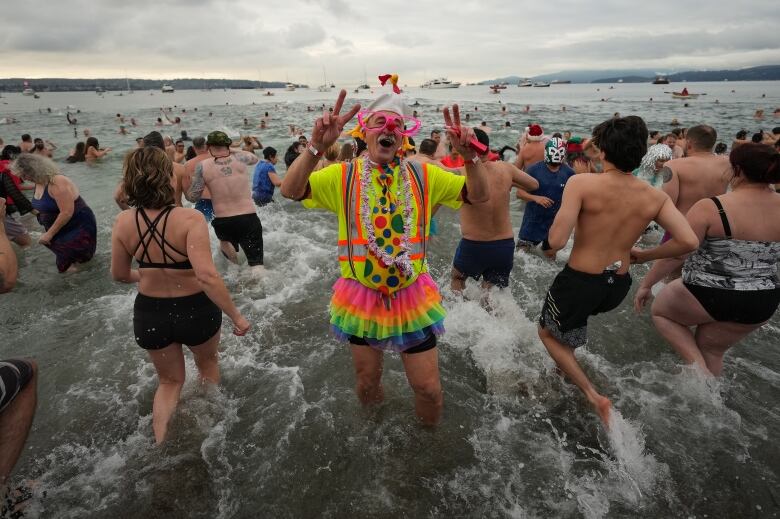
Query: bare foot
[[602, 406]]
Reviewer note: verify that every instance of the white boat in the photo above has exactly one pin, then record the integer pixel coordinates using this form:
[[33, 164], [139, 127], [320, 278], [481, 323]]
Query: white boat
[[324, 87], [440, 82], [290, 87], [525, 83], [167, 89], [541, 84], [27, 90]]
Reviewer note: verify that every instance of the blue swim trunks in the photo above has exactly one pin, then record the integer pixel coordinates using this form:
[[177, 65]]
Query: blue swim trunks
[[490, 260], [204, 206]]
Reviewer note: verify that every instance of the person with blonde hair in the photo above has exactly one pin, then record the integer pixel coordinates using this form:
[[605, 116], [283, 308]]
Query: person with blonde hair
[[181, 295], [71, 229], [329, 156]]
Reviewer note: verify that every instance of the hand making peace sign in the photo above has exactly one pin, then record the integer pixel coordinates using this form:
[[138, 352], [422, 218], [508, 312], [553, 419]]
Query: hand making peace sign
[[328, 127], [460, 136]]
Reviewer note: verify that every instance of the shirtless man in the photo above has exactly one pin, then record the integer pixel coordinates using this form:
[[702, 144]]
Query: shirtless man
[[427, 152], [203, 205], [26, 144], [235, 220], [179, 152], [610, 210], [701, 174], [532, 151], [487, 248]]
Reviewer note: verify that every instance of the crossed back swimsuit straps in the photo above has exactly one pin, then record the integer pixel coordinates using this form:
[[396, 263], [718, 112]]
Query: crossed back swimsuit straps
[[153, 234], [161, 321]]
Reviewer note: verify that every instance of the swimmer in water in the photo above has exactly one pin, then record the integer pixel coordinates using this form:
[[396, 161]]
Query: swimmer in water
[[610, 212]]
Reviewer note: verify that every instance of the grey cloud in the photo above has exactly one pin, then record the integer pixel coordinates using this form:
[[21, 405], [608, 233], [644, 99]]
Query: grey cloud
[[645, 45], [303, 34]]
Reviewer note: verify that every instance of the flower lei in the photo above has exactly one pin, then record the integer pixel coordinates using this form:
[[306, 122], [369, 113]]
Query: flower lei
[[402, 261]]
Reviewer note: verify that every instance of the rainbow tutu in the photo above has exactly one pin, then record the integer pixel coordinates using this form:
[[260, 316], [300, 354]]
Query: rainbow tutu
[[396, 323]]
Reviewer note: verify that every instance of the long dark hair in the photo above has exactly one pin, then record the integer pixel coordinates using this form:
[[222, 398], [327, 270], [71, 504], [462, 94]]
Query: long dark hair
[[92, 142], [78, 153]]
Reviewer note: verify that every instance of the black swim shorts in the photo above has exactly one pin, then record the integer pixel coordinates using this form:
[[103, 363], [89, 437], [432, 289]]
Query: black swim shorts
[[428, 344], [490, 260], [574, 296], [160, 321], [242, 230], [14, 375]]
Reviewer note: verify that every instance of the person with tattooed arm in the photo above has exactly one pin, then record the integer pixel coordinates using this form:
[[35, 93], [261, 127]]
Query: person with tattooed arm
[[235, 221]]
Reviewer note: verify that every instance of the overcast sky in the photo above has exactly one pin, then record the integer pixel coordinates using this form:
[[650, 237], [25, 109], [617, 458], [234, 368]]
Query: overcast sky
[[463, 40]]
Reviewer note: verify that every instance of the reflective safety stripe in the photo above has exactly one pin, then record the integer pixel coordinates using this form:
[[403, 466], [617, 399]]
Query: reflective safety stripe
[[354, 248], [416, 251]]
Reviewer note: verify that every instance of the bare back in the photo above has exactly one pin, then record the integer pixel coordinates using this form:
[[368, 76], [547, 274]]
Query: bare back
[[157, 282], [228, 180], [489, 221], [616, 210], [531, 153], [752, 214], [701, 175]]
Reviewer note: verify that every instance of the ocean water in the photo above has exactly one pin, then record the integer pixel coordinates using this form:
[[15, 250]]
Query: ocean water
[[284, 436]]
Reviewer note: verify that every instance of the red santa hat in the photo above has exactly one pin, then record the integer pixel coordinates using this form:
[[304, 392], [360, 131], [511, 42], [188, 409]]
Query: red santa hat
[[535, 133]]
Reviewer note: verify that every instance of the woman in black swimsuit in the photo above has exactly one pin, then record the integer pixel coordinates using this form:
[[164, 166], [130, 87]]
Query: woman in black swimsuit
[[730, 285], [181, 296]]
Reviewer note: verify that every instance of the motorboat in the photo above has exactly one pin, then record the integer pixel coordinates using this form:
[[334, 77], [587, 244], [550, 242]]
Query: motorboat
[[560, 82], [661, 80], [290, 87], [440, 83], [27, 90], [525, 83], [100, 90], [541, 84], [167, 89]]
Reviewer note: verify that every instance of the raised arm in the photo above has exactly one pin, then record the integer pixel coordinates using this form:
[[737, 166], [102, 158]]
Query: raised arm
[[460, 136], [326, 131]]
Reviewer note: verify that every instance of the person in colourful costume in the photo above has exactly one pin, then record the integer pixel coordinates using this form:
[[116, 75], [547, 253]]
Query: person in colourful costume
[[385, 299]]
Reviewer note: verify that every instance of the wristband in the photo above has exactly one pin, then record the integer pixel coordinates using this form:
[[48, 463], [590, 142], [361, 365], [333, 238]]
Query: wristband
[[314, 151]]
